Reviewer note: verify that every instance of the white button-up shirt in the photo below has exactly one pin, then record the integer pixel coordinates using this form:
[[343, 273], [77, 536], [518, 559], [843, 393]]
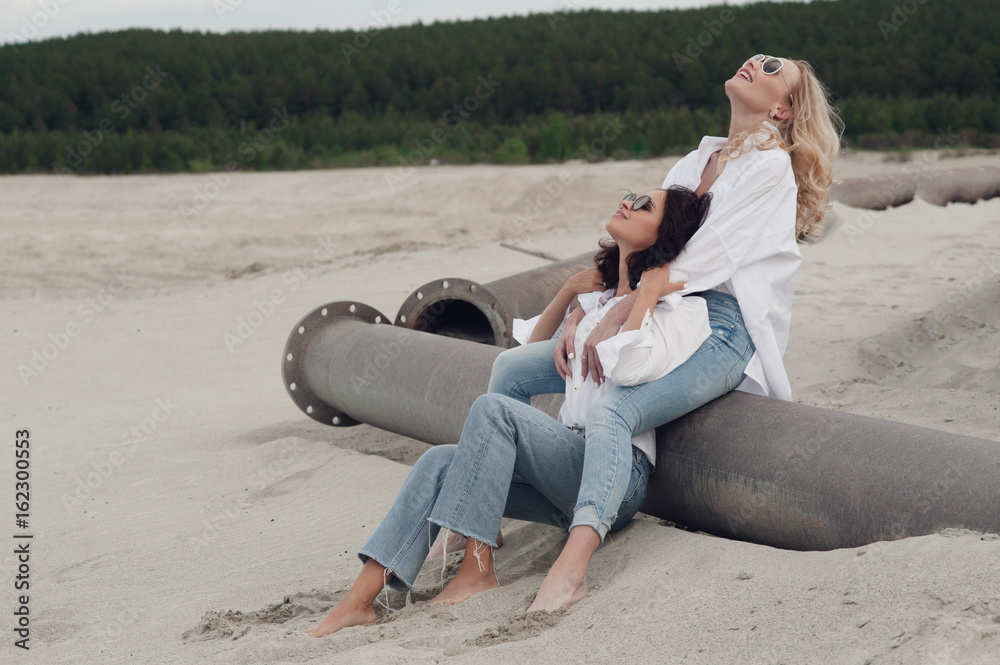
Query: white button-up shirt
[[746, 247], [665, 340]]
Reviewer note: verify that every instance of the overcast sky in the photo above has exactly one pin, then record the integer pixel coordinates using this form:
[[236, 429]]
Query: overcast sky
[[41, 19]]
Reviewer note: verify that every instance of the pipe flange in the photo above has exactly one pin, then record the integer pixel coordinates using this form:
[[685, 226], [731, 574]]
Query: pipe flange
[[302, 334], [424, 307]]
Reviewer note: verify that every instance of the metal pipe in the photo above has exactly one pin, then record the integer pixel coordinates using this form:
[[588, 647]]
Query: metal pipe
[[874, 192], [966, 185], [743, 466], [456, 307], [878, 192]]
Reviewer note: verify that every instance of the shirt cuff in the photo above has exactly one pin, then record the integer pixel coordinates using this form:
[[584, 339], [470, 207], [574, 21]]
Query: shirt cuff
[[610, 350], [671, 300]]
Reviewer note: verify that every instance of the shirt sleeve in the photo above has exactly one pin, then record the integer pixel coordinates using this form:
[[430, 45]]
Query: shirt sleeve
[[682, 169], [521, 328], [665, 340], [761, 199]]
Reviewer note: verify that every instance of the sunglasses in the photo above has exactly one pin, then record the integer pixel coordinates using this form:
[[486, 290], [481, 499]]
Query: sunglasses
[[771, 66], [639, 202]]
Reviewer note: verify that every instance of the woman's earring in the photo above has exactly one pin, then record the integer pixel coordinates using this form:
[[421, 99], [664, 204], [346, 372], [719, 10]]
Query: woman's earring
[[772, 115]]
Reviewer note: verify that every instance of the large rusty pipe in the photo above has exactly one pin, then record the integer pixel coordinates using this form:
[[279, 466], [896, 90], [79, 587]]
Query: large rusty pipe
[[456, 307], [966, 185], [743, 466], [878, 192], [874, 192]]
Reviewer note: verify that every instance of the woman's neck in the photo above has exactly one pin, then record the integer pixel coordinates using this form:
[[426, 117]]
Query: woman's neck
[[741, 120], [623, 286]]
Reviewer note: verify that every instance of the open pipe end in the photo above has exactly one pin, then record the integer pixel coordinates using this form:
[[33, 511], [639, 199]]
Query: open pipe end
[[456, 307], [292, 373]]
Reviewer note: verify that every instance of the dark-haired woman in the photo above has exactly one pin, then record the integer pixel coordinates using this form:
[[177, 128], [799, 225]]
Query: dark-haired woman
[[516, 461]]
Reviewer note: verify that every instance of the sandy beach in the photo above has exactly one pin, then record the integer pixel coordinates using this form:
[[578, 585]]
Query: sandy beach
[[185, 511]]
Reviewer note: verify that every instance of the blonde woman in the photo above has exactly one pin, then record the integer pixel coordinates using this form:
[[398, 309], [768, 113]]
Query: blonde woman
[[769, 179]]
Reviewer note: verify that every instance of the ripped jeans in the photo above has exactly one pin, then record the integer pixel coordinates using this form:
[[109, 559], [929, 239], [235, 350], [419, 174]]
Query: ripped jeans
[[512, 460], [625, 411]]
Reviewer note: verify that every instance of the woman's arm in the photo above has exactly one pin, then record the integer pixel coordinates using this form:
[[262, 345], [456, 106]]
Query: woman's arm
[[655, 283], [583, 282], [630, 311], [655, 339], [666, 339]]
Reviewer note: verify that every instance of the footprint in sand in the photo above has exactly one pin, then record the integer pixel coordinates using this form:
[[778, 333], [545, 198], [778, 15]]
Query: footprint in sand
[[519, 628], [234, 624]]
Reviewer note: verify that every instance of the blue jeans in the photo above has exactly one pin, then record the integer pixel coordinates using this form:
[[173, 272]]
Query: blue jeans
[[512, 460], [625, 411]]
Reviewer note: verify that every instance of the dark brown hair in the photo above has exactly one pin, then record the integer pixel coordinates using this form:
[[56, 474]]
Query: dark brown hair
[[683, 214]]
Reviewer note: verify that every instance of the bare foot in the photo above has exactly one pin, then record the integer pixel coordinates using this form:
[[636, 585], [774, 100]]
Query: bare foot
[[566, 583], [477, 573], [559, 590], [343, 615], [456, 541]]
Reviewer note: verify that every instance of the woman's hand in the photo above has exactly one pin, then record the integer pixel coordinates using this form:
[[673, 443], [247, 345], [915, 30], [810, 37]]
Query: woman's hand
[[657, 281], [585, 282], [607, 327], [565, 347]]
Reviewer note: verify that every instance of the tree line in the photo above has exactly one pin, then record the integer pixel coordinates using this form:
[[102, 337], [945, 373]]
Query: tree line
[[505, 90]]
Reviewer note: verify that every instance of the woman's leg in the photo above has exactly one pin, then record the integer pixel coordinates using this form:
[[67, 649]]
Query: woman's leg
[[500, 436], [625, 411], [394, 553], [519, 373], [543, 483], [566, 583], [525, 371], [515, 461]]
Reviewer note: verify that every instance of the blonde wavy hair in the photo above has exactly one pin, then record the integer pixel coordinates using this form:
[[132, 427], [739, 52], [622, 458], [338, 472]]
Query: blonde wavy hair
[[811, 136]]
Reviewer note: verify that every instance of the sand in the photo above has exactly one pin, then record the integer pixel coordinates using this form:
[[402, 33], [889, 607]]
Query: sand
[[185, 511]]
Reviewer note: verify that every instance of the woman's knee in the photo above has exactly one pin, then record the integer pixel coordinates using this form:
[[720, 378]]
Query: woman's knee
[[504, 372], [436, 460], [488, 403]]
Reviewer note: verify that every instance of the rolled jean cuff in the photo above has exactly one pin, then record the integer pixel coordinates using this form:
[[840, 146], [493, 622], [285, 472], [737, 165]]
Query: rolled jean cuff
[[401, 581], [491, 541], [585, 514]]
